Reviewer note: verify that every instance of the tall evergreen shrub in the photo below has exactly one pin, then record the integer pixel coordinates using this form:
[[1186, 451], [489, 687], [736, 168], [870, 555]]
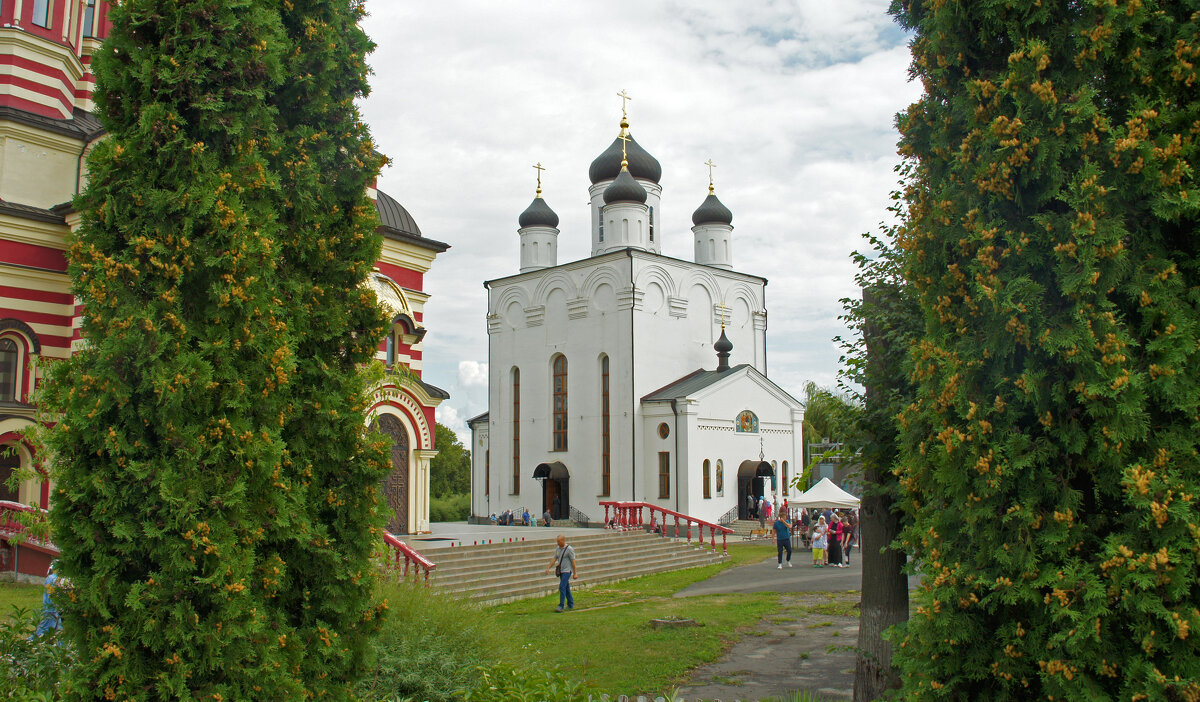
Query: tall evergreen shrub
[[168, 449], [1050, 461], [329, 245]]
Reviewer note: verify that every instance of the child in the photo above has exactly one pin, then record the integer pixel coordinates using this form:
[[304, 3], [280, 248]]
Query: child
[[820, 540]]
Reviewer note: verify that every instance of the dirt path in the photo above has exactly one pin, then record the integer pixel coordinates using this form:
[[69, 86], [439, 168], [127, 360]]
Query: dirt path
[[806, 645]]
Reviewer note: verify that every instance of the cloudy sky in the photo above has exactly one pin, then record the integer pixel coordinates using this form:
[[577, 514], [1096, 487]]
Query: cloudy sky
[[794, 100]]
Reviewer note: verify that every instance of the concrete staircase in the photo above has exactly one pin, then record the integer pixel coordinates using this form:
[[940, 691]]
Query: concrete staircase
[[742, 528], [505, 572]]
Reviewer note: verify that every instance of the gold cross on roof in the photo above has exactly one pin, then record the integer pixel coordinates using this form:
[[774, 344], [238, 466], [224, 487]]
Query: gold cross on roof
[[711, 166], [624, 157], [539, 168], [624, 103]]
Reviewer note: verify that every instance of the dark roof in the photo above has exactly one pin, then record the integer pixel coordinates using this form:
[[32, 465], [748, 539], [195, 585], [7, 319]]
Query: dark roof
[[641, 164], [477, 419], [433, 390], [711, 211], [396, 223], [538, 214], [624, 189], [393, 215], [37, 214], [82, 125], [690, 384]]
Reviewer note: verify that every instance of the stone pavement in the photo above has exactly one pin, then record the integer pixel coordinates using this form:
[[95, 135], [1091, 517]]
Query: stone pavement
[[806, 645]]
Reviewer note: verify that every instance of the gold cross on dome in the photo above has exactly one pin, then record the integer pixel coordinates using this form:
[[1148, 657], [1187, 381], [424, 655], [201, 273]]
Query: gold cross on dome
[[624, 157], [539, 168], [624, 103], [711, 166]]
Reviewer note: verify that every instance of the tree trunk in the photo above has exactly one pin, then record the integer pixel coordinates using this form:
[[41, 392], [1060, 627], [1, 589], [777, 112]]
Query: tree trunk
[[884, 585], [884, 593]]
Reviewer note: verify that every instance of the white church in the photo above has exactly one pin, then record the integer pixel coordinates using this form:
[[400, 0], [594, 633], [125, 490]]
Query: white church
[[630, 375]]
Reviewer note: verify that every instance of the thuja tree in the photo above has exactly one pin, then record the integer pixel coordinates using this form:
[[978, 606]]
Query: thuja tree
[[1050, 463], [168, 449], [326, 163]]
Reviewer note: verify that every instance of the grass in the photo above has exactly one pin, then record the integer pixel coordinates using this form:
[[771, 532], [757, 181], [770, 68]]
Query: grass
[[28, 597], [593, 643]]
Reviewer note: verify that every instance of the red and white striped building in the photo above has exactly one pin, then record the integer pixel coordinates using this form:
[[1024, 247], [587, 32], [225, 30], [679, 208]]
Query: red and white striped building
[[46, 130]]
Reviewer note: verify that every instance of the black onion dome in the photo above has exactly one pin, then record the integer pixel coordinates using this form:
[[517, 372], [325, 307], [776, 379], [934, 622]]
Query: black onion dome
[[624, 189], [723, 345], [393, 216], [538, 214], [711, 211], [641, 164]]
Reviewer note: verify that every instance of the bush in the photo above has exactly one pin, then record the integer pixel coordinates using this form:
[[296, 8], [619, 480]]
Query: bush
[[430, 646], [506, 683], [449, 508], [31, 669]]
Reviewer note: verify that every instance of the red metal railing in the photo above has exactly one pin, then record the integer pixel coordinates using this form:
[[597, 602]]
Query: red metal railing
[[631, 515], [11, 525], [411, 558]]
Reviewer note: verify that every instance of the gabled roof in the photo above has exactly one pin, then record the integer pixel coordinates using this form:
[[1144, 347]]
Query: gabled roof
[[37, 214], [699, 380], [433, 390], [690, 384], [479, 419]]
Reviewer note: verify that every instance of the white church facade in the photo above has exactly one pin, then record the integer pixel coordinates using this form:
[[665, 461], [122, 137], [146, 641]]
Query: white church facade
[[630, 375]]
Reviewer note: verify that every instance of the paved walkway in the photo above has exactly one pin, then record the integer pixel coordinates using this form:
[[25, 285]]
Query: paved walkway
[[807, 645]]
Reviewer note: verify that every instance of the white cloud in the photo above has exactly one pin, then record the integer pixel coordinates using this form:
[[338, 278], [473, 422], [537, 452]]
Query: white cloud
[[794, 100], [472, 374], [448, 416]]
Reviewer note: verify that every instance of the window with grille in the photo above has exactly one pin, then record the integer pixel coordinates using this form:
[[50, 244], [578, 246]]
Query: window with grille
[[707, 472], [516, 429], [9, 367], [605, 446], [664, 474], [560, 403]]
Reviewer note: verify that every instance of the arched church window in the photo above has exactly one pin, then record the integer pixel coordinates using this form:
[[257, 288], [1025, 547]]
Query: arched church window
[[391, 348], [41, 13], [707, 485], [712, 249], [651, 223], [10, 462], [605, 446], [560, 402], [9, 367], [89, 19], [785, 479], [516, 431], [602, 229], [625, 228]]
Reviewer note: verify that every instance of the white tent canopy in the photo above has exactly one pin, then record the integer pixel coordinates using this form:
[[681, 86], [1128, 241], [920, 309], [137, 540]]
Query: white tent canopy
[[825, 494]]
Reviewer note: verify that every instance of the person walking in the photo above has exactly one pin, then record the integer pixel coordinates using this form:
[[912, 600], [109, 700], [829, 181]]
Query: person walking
[[835, 542], [566, 569], [546, 519], [783, 540], [820, 537], [750, 504], [762, 513], [850, 538]]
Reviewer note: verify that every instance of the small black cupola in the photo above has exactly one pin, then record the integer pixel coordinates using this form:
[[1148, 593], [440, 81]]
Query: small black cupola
[[723, 347]]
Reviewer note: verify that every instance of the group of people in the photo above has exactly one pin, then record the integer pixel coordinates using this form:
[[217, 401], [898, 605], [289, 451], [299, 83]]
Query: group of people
[[510, 518], [833, 537], [763, 509]]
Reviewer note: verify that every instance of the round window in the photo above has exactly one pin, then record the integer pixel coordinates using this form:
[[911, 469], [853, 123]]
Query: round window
[[663, 430]]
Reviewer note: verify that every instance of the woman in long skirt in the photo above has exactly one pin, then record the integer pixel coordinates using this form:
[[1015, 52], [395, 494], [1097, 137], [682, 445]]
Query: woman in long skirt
[[835, 543]]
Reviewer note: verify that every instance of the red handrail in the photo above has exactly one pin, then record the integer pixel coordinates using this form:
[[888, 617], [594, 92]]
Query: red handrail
[[410, 557], [629, 514], [11, 526]]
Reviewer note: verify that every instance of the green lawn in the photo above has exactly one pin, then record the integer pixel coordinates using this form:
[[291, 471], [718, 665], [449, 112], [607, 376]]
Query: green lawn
[[25, 596], [593, 643]]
